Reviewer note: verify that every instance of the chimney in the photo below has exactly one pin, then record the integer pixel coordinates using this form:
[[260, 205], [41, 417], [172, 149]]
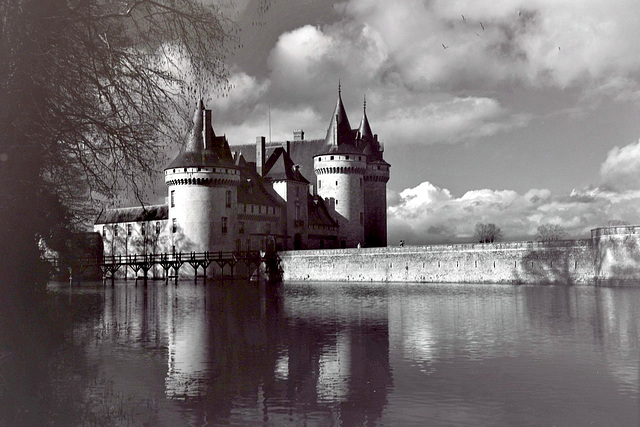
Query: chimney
[[288, 147], [208, 137], [298, 135], [260, 152]]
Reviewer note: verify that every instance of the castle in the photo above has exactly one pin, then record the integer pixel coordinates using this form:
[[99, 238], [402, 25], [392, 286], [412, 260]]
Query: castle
[[301, 194]]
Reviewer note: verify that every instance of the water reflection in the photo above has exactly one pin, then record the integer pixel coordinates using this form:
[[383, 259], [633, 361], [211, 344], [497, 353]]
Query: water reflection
[[319, 354]]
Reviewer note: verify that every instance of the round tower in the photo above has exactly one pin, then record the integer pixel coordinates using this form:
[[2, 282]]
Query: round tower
[[202, 191], [340, 177], [375, 185]]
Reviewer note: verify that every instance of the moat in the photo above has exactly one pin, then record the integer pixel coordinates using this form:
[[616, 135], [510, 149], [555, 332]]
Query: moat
[[332, 354]]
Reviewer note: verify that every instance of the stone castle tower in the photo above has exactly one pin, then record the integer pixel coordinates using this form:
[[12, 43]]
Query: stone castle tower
[[352, 177], [202, 186]]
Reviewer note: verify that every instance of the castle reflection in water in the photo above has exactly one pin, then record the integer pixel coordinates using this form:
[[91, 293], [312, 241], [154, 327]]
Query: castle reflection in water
[[353, 355]]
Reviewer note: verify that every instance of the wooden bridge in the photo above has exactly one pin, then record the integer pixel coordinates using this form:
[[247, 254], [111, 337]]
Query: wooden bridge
[[141, 264]]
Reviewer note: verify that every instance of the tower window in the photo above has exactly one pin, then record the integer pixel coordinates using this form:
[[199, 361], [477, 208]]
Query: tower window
[[173, 198], [228, 198], [224, 225], [104, 231], [347, 158], [336, 201], [331, 157], [336, 183], [157, 227], [174, 225], [319, 184], [128, 229], [143, 228], [115, 231]]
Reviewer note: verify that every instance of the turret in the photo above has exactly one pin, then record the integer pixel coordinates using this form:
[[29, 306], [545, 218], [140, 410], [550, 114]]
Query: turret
[[375, 184], [202, 188], [340, 177]]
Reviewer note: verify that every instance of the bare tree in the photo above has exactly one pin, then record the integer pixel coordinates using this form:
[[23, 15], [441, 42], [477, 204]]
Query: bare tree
[[487, 233], [550, 233], [91, 92]]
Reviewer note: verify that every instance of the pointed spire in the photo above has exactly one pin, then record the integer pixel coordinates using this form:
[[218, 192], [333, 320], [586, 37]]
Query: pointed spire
[[339, 131], [196, 143], [365, 130]]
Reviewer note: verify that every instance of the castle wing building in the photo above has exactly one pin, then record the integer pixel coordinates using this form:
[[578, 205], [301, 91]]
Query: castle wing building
[[300, 194]]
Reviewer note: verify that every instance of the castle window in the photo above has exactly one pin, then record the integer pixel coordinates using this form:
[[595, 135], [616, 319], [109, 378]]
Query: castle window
[[157, 227], [185, 169], [347, 157], [331, 157], [336, 202], [128, 229], [228, 198], [115, 230], [174, 225], [143, 228], [241, 227], [319, 184], [173, 198], [251, 208], [104, 231], [224, 225], [336, 183]]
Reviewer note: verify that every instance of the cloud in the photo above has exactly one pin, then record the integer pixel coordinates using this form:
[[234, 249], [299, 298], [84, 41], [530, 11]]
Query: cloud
[[427, 214], [546, 42], [621, 169]]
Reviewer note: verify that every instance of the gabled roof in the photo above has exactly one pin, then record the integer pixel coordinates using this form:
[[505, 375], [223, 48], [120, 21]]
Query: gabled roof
[[134, 214], [280, 167], [318, 213], [252, 190], [203, 148]]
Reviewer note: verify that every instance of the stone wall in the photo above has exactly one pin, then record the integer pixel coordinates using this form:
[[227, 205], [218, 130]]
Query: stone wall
[[617, 254], [566, 262]]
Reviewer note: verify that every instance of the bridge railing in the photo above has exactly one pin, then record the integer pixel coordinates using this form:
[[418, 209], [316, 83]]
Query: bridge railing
[[179, 257]]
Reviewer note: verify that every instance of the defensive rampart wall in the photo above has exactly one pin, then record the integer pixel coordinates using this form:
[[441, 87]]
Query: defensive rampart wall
[[569, 262], [611, 256]]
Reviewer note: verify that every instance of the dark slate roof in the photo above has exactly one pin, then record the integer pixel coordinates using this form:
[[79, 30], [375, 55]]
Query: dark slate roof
[[364, 131], [339, 131], [203, 148], [301, 153], [318, 213], [252, 190], [344, 149], [134, 214], [279, 166]]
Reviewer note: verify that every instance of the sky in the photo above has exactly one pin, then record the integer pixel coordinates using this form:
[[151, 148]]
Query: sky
[[517, 113]]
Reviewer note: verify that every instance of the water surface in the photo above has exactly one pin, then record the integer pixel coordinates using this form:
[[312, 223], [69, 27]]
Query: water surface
[[332, 354]]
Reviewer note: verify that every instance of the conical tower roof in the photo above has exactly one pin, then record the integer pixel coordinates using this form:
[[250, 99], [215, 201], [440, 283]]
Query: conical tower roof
[[203, 147], [365, 130], [339, 131], [195, 143]]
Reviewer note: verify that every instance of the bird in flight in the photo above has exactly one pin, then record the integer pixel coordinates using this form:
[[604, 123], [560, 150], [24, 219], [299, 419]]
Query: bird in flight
[[445, 47], [482, 26], [464, 19]]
